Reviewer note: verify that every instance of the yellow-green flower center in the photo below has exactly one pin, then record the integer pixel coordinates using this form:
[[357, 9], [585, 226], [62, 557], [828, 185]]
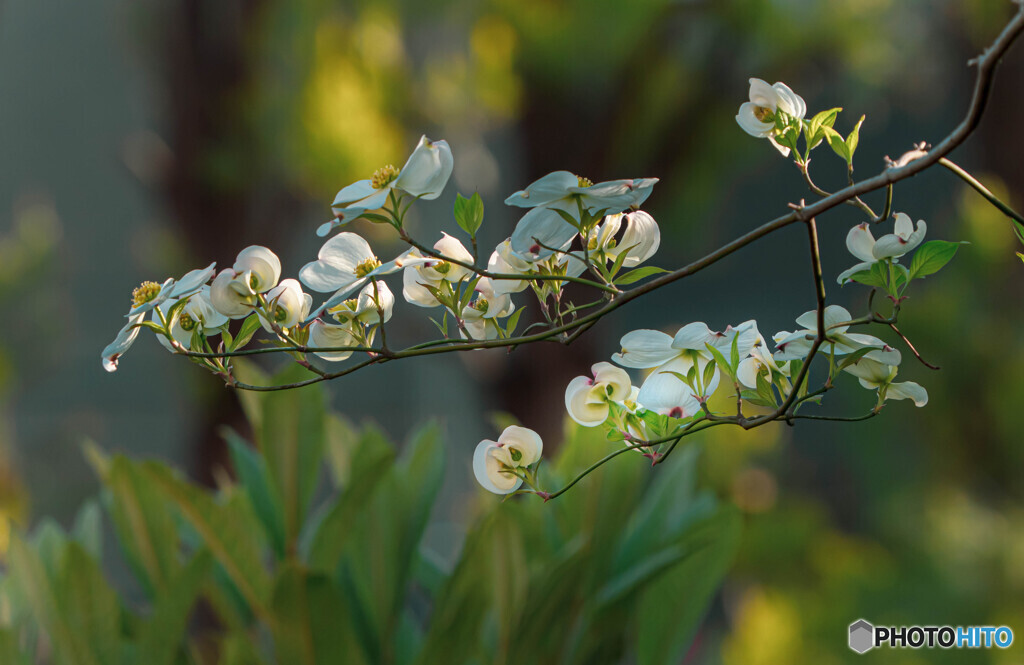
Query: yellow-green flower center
[[764, 114], [515, 454], [443, 267], [383, 176], [145, 292], [254, 282], [584, 182], [187, 323], [364, 268], [481, 305], [351, 304]]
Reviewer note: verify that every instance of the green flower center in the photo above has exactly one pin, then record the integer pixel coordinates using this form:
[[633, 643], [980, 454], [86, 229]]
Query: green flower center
[[364, 268], [515, 454], [481, 305], [584, 182], [280, 314], [145, 292], [351, 304], [443, 267], [764, 114], [187, 323], [254, 282], [383, 176]]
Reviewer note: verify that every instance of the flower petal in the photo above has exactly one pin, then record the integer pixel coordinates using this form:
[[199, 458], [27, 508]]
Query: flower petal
[[907, 390], [544, 225], [427, 170], [524, 440], [549, 188], [124, 340], [483, 469], [642, 349]]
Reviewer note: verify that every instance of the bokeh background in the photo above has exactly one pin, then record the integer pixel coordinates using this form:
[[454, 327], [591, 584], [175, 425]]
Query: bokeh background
[[141, 139]]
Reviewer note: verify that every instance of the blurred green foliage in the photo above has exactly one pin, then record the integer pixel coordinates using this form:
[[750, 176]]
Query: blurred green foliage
[[313, 554]]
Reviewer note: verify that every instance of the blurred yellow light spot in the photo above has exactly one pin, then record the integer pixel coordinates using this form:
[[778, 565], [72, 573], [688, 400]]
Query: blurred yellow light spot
[[348, 132], [493, 41], [767, 631]]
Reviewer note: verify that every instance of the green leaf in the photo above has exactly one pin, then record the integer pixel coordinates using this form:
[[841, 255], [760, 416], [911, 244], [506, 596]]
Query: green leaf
[[469, 213], [814, 133], [311, 621], [89, 606], [837, 143], [367, 460], [245, 333], [222, 529], [290, 436], [877, 276], [28, 573], [931, 257], [853, 139], [162, 635], [719, 358], [638, 274], [663, 637], [144, 524], [513, 321], [852, 358], [1021, 256], [764, 391], [569, 219], [255, 478], [382, 544], [88, 529], [709, 373]]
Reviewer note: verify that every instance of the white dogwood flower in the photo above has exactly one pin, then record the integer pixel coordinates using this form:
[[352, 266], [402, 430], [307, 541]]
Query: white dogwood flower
[[760, 361], [150, 294], [345, 263], [256, 270], [328, 335], [503, 261], [758, 116], [146, 297], [480, 317], [796, 345], [544, 227], [424, 176], [587, 398], [879, 376], [288, 306], [374, 298], [673, 356], [496, 463], [862, 244], [198, 313], [430, 271]]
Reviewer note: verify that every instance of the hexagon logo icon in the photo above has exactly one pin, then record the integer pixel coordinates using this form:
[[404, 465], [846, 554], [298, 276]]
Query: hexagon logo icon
[[862, 636]]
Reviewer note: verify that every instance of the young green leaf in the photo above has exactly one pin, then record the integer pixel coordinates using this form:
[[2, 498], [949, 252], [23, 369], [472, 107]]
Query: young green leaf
[[638, 274], [469, 213], [245, 333], [852, 140], [931, 257], [876, 276]]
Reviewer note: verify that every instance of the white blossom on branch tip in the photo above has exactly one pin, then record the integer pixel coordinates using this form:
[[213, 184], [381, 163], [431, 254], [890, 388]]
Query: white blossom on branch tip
[[496, 463], [587, 398], [758, 117], [424, 176]]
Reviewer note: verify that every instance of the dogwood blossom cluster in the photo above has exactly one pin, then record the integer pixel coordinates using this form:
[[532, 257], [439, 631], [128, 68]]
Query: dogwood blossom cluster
[[657, 387], [571, 227]]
